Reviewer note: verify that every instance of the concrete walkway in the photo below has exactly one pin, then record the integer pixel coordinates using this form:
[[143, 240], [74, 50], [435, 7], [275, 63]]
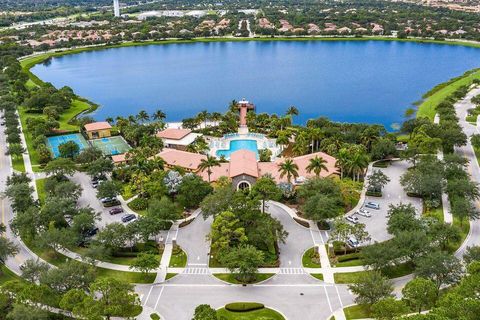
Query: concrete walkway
[[447, 215]]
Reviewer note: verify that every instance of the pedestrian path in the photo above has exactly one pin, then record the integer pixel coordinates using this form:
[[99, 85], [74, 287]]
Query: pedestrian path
[[196, 270], [447, 215], [291, 271]]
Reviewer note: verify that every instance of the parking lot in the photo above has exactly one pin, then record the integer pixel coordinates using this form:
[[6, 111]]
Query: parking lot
[[393, 194]]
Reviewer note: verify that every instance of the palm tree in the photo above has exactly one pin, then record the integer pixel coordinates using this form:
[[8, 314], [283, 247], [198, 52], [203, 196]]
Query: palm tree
[[282, 139], [159, 115], [359, 162], [292, 111], [142, 116], [288, 168], [316, 135], [208, 164], [316, 165], [109, 120], [343, 158], [203, 117]]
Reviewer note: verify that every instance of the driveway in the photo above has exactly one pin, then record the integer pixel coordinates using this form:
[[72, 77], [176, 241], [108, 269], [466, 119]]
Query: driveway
[[298, 241], [193, 240]]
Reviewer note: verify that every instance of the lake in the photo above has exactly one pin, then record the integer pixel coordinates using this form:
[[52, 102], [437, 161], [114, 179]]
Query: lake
[[352, 81]]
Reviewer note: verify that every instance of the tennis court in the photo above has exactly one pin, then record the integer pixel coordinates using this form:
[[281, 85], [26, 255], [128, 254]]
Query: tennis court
[[54, 142], [111, 146]]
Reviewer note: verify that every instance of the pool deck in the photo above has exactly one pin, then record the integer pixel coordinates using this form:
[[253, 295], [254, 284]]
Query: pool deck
[[223, 144]]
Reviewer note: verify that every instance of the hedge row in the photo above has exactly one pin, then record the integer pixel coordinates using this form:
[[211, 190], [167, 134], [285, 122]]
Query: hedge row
[[244, 306]]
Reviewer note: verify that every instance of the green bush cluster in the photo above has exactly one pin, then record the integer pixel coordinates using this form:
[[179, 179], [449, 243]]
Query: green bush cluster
[[244, 306], [138, 204]]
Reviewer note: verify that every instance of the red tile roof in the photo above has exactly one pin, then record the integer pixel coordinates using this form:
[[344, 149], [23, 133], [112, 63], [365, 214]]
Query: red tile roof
[[173, 134], [94, 126], [184, 159]]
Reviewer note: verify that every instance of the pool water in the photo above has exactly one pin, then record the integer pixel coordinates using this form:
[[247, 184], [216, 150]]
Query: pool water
[[236, 145], [54, 142]]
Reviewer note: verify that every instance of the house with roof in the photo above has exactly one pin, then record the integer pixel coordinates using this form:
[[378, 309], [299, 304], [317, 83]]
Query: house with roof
[[177, 138], [96, 130]]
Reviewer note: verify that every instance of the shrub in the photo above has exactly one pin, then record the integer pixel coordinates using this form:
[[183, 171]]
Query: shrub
[[302, 222], [323, 225], [154, 316], [348, 257], [138, 204], [244, 306], [373, 193]]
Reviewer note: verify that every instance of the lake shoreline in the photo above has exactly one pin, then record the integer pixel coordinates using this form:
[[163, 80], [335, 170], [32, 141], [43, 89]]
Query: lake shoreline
[[30, 61]]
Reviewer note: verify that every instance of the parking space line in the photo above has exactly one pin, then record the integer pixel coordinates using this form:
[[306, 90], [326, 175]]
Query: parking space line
[[339, 298], [158, 299], [328, 299], [148, 296]]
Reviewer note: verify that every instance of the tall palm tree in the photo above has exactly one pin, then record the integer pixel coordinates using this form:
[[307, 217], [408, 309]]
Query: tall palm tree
[[358, 162], [208, 164], [203, 117], [288, 168], [142, 116], [109, 120], [282, 139], [316, 134], [316, 165], [292, 111], [343, 158], [159, 115]]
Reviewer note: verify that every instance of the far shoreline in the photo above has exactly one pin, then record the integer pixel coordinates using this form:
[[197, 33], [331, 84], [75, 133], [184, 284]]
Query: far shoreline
[[424, 107]]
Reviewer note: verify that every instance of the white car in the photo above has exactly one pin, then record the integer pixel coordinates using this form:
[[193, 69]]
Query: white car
[[364, 213], [352, 219]]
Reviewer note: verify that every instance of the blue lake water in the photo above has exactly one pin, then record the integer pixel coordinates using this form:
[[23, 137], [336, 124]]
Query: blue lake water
[[235, 145], [355, 81]]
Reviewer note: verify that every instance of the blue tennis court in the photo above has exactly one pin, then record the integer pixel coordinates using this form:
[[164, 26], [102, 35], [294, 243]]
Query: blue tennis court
[[111, 145], [55, 141]]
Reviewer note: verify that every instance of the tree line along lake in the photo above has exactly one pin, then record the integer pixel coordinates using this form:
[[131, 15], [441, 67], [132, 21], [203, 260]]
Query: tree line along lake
[[348, 81]]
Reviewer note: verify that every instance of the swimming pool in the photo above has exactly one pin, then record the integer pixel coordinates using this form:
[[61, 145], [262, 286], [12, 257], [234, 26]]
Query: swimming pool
[[54, 142], [242, 144]]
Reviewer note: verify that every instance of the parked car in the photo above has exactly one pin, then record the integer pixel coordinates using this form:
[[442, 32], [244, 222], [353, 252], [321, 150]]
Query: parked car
[[352, 219], [104, 200], [129, 217], [352, 242], [99, 178], [91, 232], [364, 213], [111, 203], [372, 205], [116, 210]]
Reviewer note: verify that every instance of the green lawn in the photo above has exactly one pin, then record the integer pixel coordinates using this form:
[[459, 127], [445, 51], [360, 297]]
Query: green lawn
[[58, 259], [427, 108], [17, 163], [170, 275], [40, 183], [318, 276], [436, 213], [308, 259], [262, 314], [178, 259], [123, 260], [357, 312], [7, 275], [349, 263], [391, 273], [464, 230], [230, 277]]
